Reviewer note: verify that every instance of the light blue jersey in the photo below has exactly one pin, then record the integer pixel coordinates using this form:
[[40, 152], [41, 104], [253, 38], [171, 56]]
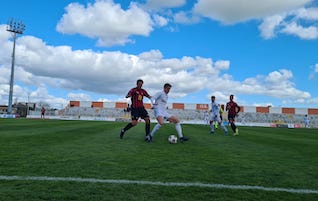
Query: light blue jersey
[[215, 108]]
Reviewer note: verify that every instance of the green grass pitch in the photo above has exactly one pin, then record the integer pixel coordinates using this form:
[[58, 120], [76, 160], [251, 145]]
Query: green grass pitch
[[214, 166]]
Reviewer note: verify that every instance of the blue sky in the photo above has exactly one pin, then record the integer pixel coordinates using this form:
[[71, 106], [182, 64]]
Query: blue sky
[[265, 53]]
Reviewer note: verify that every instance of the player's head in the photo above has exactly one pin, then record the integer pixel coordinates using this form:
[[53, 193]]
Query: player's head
[[231, 97], [139, 83], [213, 98], [167, 87]]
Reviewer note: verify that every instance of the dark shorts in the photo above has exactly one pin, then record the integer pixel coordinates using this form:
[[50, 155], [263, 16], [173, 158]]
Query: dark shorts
[[137, 113], [231, 117]]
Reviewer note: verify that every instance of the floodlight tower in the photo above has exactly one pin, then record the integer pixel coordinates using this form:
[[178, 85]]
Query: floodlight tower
[[15, 27]]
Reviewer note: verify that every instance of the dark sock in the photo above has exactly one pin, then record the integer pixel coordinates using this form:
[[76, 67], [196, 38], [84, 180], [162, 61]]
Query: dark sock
[[127, 127], [147, 129], [233, 127]]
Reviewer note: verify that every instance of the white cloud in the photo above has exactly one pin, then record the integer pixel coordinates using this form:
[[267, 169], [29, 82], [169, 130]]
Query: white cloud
[[183, 17], [113, 27], [40, 66], [307, 13], [160, 4], [160, 20], [276, 84], [118, 26], [278, 17], [222, 65], [278, 76], [269, 26], [79, 97], [293, 28], [233, 11], [300, 22]]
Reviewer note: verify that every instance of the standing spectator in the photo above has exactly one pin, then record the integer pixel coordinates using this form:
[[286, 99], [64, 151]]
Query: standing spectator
[[306, 121], [215, 116], [233, 109], [159, 101], [137, 108], [43, 113]]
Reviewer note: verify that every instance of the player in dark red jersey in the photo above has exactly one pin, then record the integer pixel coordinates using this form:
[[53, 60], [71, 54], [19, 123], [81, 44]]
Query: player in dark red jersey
[[233, 109], [137, 108]]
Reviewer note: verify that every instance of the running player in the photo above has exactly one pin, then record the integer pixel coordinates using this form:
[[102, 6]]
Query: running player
[[233, 109], [159, 101], [215, 116], [137, 108]]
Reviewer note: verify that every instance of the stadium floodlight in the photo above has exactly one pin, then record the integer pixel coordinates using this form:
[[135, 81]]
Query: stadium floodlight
[[15, 27]]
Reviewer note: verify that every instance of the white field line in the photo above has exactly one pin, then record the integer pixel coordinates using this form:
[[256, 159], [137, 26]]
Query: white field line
[[158, 183]]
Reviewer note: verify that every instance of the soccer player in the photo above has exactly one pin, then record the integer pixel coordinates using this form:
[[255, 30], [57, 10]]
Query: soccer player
[[159, 101], [307, 121], [137, 108], [43, 113], [215, 116], [233, 109]]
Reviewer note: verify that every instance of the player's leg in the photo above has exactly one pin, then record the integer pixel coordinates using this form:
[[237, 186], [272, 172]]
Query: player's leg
[[176, 121], [134, 121], [212, 127], [212, 124], [219, 121], [160, 121], [235, 127], [144, 115], [231, 124], [127, 127], [147, 127], [216, 124]]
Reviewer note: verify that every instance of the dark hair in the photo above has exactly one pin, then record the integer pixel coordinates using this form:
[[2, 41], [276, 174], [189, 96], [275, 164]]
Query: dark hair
[[212, 96], [166, 85], [139, 80]]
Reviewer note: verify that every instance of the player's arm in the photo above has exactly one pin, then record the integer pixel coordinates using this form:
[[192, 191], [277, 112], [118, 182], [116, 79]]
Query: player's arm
[[149, 97], [227, 107], [155, 98], [238, 108], [129, 94]]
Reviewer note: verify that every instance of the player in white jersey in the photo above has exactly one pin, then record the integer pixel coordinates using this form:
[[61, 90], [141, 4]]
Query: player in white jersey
[[159, 101], [307, 121], [215, 116]]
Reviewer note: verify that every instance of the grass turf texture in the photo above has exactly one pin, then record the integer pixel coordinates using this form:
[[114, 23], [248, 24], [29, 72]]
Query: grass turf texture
[[269, 157]]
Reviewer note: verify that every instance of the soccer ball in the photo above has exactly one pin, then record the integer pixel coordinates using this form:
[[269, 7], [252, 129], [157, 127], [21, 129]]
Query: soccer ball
[[173, 139]]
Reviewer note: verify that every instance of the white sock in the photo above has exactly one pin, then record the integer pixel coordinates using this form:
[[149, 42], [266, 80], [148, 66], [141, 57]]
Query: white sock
[[179, 130], [224, 128], [212, 127], [157, 127]]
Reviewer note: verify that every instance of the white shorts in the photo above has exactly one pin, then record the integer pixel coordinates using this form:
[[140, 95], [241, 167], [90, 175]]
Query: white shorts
[[216, 117], [162, 113]]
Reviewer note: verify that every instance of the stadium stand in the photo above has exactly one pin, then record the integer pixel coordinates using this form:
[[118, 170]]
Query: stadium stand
[[188, 113]]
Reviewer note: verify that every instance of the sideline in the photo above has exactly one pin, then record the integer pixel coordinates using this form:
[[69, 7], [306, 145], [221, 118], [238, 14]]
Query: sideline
[[158, 183]]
